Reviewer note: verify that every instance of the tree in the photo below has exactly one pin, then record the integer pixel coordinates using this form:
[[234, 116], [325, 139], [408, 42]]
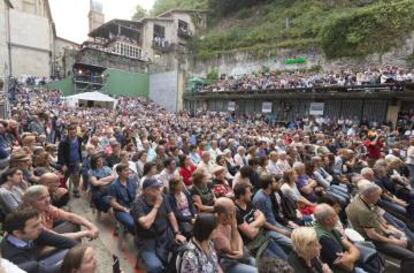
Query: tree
[[140, 12], [161, 6]]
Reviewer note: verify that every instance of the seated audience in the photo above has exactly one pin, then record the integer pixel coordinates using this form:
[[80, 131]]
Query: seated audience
[[251, 224], [157, 230], [186, 169], [59, 196], [121, 195], [25, 236], [100, 177], [201, 192], [201, 257], [38, 197], [363, 215], [306, 251], [221, 187], [11, 190], [290, 190], [336, 250], [181, 204], [80, 259], [263, 202], [228, 242]]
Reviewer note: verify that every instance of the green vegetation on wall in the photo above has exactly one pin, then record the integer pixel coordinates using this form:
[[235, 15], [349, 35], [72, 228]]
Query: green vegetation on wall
[[367, 30], [161, 6], [341, 28], [124, 83], [65, 85]]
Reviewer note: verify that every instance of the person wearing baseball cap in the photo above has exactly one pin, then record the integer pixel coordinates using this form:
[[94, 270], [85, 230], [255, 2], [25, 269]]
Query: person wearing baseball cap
[[157, 231]]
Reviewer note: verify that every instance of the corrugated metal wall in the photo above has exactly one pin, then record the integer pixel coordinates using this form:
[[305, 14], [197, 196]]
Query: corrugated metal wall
[[290, 109]]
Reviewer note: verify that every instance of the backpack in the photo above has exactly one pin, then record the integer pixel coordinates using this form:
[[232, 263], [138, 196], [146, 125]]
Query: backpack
[[175, 259]]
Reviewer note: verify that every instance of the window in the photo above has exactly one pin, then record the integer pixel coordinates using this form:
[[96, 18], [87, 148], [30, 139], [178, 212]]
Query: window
[[183, 25], [159, 31]]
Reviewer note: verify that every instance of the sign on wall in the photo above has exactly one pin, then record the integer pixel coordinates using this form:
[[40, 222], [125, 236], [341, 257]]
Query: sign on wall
[[267, 107], [316, 108], [231, 107]]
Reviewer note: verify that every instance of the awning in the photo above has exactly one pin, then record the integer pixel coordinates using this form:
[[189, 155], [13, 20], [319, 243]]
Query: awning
[[92, 96]]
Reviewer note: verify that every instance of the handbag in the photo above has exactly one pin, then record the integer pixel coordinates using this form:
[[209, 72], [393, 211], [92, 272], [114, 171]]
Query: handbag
[[370, 260]]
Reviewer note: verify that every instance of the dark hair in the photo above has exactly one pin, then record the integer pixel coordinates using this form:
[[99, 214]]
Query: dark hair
[[136, 156], [147, 167], [94, 160], [197, 177], [204, 226], [168, 161], [9, 172], [158, 149], [72, 126], [17, 219], [252, 161], [262, 160], [310, 167], [329, 199], [73, 259], [246, 171], [218, 158], [120, 167], [173, 183], [265, 181], [274, 265], [181, 160], [240, 189]]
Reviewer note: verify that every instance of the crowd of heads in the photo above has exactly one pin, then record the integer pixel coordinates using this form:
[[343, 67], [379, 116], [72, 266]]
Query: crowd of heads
[[218, 185], [298, 80]]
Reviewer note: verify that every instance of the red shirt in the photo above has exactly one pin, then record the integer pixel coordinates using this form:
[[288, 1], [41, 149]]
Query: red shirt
[[186, 174], [374, 150]]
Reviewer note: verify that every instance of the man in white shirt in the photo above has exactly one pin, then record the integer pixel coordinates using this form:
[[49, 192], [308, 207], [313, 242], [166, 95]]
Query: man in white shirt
[[240, 157], [214, 150], [272, 167], [282, 162], [168, 172], [206, 164]]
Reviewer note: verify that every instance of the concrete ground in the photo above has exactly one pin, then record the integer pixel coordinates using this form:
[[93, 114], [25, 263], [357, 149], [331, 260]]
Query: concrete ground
[[107, 243]]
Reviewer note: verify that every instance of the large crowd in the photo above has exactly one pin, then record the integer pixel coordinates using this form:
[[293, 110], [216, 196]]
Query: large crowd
[[205, 193], [296, 79]]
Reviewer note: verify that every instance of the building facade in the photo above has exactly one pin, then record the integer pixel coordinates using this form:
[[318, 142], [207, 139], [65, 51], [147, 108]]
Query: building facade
[[31, 48], [5, 7]]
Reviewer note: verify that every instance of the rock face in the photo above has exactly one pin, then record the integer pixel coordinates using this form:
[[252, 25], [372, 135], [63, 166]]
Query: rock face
[[246, 62]]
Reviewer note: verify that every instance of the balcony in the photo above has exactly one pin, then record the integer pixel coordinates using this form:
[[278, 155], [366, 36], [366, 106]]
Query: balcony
[[107, 58], [162, 47], [184, 33], [380, 91]]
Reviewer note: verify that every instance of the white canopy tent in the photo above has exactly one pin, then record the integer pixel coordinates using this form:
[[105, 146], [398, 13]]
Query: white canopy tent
[[91, 99]]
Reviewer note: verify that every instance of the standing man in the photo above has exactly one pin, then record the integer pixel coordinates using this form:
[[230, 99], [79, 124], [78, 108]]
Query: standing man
[[70, 156]]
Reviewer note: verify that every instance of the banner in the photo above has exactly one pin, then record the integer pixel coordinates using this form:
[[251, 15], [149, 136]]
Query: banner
[[316, 108], [267, 107], [231, 106], [295, 61]]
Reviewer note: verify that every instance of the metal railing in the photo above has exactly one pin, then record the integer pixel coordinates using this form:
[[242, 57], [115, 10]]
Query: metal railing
[[392, 87]]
